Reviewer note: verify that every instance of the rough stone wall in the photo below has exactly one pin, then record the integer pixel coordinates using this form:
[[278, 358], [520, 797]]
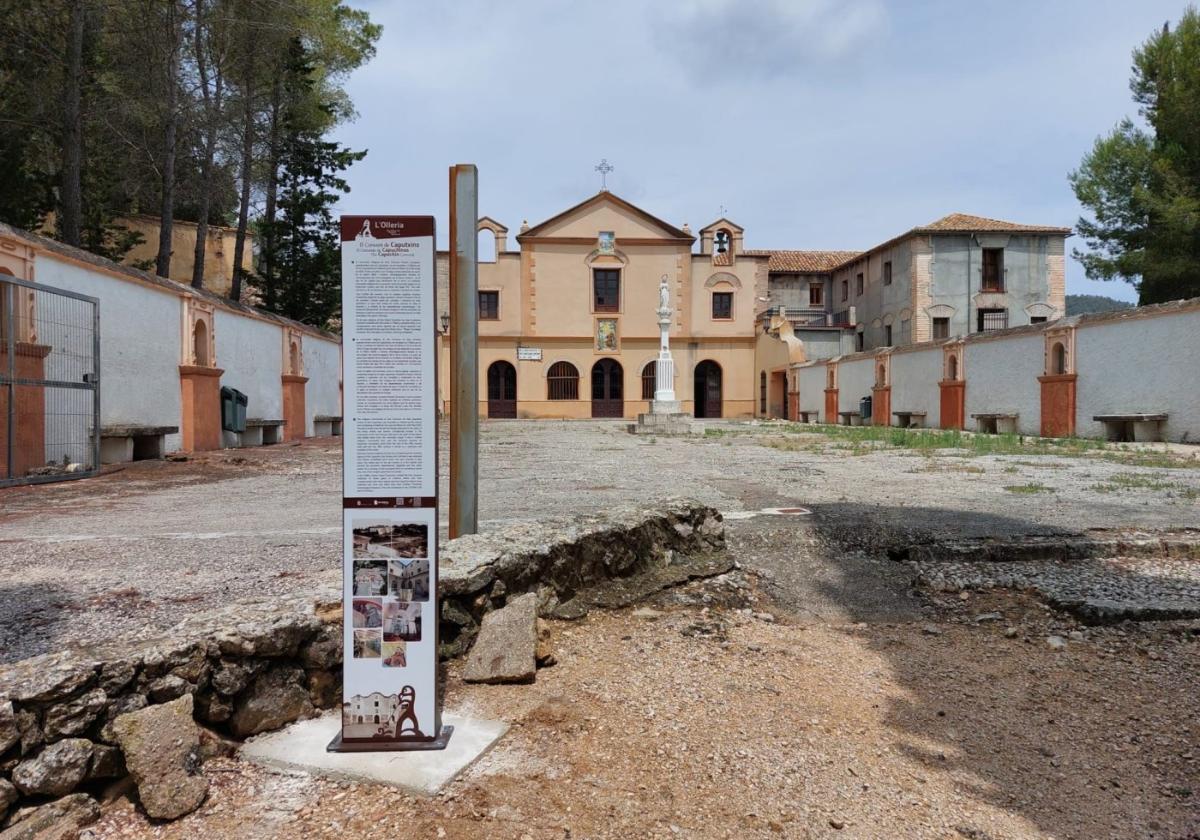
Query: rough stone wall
[[260, 664]]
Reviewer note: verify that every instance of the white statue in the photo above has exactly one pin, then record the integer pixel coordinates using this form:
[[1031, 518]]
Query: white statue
[[664, 296]]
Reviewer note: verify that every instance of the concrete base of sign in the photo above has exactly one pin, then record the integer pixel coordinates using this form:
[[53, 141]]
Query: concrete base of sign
[[302, 746], [665, 424]]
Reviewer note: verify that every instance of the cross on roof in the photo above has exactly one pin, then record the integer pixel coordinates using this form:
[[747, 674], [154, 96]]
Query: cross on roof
[[604, 167]]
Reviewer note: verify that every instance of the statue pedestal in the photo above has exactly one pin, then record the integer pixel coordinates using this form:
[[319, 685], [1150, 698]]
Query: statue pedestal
[[665, 418]]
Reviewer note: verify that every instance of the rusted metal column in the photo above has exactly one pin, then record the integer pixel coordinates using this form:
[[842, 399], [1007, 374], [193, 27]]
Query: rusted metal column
[[464, 351]]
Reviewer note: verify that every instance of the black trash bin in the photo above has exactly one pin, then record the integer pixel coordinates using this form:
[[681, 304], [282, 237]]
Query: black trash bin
[[233, 410], [864, 410]]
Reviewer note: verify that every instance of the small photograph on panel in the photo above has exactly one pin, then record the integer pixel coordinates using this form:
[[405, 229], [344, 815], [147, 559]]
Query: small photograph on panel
[[377, 540], [408, 580], [370, 577], [401, 621], [367, 613], [394, 655], [367, 644], [381, 717]]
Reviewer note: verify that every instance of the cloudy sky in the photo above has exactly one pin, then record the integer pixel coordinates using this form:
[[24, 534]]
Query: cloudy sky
[[815, 123]]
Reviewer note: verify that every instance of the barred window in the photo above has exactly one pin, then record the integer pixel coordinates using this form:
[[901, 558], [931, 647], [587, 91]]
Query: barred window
[[722, 306], [562, 383], [649, 380]]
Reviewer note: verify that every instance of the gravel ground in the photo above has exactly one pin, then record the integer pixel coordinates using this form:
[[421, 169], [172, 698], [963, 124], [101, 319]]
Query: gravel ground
[[129, 553], [722, 723]]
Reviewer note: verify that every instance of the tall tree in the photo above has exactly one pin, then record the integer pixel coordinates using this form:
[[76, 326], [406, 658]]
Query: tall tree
[[1142, 185], [209, 45]]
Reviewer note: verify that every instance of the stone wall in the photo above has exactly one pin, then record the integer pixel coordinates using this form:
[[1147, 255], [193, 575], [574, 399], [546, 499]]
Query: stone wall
[[259, 664]]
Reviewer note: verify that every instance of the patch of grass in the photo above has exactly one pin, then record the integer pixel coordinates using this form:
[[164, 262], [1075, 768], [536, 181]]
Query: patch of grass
[[1137, 481], [1011, 470], [1028, 489]]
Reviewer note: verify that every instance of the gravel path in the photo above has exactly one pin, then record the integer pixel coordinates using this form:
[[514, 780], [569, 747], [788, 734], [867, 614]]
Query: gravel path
[[132, 552]]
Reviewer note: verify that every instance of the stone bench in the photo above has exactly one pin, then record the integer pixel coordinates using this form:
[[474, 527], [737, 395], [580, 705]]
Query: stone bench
[[126, 442], [996, 424], [910, 419], [807, 417], [261, 432], [325, 425], [850, 418], [1141, 428]]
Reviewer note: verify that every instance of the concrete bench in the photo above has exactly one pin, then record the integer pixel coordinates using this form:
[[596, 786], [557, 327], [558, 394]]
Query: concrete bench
[[996, 424], [807, 417], [1141, 428], [261, 432], [122, 443], [910, 419], [325, 425], [850, 418]]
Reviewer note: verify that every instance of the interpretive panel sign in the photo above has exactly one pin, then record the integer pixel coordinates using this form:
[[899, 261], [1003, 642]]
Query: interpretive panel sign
[[390, 694]]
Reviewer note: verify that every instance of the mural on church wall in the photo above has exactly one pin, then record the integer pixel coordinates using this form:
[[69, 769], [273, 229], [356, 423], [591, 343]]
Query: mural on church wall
[[606, 335]]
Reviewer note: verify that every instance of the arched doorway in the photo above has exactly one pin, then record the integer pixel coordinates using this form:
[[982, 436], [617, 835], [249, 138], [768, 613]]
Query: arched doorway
[[707, 389], [608, 396], [502, 390]]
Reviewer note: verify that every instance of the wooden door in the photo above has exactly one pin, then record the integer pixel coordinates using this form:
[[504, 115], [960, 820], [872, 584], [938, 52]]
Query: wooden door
[[502, 390], [707, 384], [608, 399]]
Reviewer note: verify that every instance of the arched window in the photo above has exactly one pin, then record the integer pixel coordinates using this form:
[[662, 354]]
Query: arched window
[[200, 344], [952, 368], [1058, 358], [881, 376], [649, 380], [762, 392], [562, 382]]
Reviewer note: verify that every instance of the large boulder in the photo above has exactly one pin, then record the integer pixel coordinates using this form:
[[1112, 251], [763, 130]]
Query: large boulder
[[162, 751], [275, 699], [506, 648], [57, 820], [56, 770]]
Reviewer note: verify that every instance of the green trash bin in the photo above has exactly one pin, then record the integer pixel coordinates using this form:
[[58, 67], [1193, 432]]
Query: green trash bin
[[233, 410]]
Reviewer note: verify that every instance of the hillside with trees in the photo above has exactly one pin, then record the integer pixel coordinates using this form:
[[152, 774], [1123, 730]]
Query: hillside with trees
[[210, 111], [1083, 304]]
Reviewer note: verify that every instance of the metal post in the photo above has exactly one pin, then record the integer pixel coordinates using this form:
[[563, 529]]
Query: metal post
[[464, 351]]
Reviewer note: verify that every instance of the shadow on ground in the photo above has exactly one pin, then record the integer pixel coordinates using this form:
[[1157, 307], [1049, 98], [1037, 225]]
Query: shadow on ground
[[34, 614], [1098, 740]]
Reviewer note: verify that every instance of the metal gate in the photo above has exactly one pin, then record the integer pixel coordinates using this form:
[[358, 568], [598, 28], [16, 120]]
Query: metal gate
[[49, 383]]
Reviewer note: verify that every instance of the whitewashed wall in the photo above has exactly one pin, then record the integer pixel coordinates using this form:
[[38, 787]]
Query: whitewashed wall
[[855, 380], [1139, 366], [139, 345], [323, 366], [915, 376], [251, 354], [1002, 379], [812, 389]]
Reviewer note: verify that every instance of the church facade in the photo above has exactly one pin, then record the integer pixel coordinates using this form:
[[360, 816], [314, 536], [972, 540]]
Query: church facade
[[568, 325]]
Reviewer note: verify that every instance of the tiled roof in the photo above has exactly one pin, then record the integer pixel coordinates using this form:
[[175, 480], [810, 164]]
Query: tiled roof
[[804, 261], [722, 259], [956, 222]]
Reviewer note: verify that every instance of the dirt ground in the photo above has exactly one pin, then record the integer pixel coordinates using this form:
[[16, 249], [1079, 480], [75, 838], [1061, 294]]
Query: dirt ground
[[821, 692], [713, 723]]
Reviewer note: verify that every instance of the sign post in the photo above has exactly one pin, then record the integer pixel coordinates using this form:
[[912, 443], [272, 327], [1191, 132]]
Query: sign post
[[464, 350], [391, 699]]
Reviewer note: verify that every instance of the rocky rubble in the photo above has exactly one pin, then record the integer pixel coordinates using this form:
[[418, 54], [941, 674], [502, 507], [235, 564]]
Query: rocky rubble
[[72, 721]]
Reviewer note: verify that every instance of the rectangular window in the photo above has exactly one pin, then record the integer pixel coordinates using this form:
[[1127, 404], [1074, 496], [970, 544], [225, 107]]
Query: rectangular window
[[489, 306], [816, 294], [887, 273], [858, 284], [887, 336], [992, 319], [722, 306], [1037, 319], [993, 269], [845, 290], [941, 328], [860, 341], [606, 289]]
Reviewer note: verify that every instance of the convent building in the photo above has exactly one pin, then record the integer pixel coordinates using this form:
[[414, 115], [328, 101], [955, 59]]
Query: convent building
[[568, 329]]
